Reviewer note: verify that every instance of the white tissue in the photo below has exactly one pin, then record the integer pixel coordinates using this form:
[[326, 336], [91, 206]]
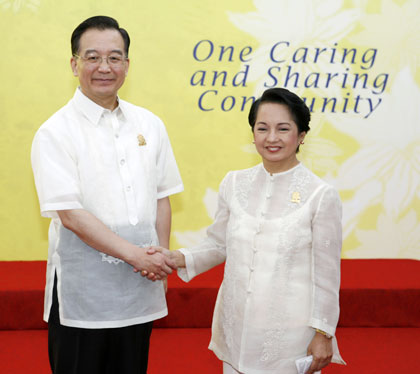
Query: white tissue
[[303, 364]]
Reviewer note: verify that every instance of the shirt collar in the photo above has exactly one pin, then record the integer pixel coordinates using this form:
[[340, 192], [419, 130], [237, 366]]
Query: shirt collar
[[91, 110]]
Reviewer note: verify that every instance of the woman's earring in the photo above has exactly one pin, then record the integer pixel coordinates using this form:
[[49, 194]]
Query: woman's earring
[[302, 142], [253, 142]]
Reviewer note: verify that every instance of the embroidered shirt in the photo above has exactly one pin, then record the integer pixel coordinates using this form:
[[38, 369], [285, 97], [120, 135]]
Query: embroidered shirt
[[280, 236], [88, 157]]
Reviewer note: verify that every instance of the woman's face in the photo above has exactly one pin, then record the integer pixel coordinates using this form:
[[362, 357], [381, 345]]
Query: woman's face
[[276, 137]]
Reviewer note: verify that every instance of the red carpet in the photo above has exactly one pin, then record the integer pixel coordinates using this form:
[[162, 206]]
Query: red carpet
[[375, 293], [184, 351], [380, 293]]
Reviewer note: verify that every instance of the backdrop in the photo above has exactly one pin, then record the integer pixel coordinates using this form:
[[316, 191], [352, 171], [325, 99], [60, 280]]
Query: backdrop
[[198, 65]]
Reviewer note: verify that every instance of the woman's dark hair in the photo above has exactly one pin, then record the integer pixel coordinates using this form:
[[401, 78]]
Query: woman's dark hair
[[297, 107], [99, 23]]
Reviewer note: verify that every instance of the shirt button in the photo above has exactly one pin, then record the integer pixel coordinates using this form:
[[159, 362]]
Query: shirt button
[[255, 250], [262, 214], [268, 196], [251, 269], [117, 136], [122, 162], [128, 188]]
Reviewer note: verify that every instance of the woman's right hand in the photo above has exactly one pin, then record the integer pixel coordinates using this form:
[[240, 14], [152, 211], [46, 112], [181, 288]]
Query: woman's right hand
[[179, 258], [176, 256]]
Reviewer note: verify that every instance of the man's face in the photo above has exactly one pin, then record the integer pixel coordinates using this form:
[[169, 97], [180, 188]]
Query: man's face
[[100, 81]]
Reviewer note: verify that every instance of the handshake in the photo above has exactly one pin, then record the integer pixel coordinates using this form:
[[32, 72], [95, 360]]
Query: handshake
[[156, 263]]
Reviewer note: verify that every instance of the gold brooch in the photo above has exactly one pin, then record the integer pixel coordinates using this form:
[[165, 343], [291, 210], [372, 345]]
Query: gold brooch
[[295, 197], [141, 139]]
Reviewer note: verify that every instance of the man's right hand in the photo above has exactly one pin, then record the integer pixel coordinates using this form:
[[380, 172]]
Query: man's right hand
[[175, 256], [157, 263]]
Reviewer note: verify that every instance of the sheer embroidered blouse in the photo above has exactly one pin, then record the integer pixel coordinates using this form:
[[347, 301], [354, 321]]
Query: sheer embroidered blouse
[[280, 236]]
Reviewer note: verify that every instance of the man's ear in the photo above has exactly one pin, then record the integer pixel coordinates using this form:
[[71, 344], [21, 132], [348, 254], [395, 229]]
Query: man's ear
[[73, 64], [127, 65]]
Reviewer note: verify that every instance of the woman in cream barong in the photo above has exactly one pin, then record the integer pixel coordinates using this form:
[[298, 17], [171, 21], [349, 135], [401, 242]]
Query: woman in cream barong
[[278, 228]]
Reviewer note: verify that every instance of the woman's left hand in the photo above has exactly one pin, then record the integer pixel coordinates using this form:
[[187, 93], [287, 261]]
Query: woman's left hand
[[321, 350]]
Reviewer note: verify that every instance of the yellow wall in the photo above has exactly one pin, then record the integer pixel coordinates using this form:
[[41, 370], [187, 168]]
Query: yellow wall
[[373, 161]]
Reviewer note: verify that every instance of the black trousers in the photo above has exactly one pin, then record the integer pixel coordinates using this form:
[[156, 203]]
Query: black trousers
[[73, 350]]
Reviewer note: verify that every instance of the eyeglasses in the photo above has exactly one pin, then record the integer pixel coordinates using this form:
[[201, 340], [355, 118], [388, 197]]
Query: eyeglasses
[[96, 60]]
